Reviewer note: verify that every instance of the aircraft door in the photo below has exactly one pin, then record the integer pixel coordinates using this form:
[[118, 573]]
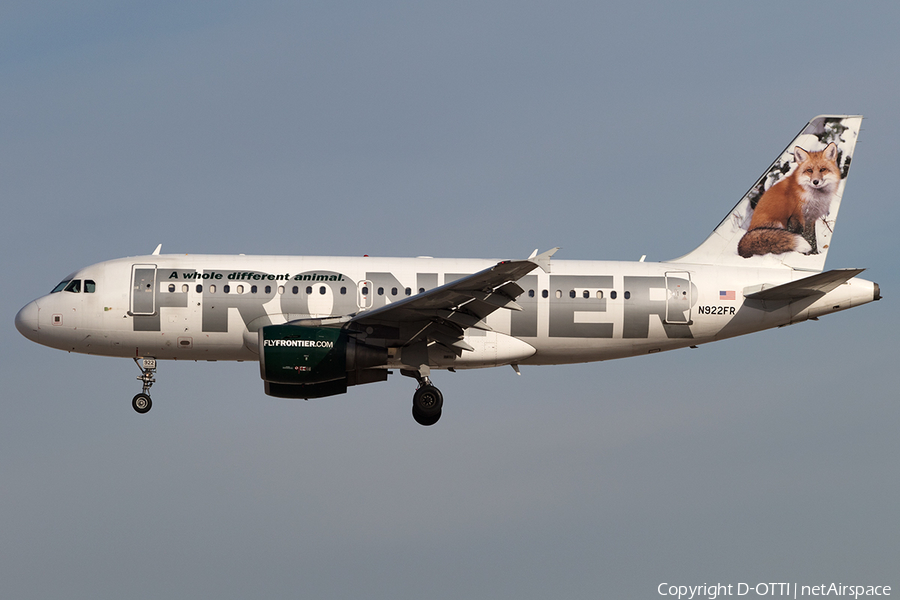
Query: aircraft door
[[143, 289], [364, 293], [678, 297]]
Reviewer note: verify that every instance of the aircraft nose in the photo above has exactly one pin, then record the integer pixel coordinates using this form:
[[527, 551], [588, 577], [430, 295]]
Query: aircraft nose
[[27, 320]]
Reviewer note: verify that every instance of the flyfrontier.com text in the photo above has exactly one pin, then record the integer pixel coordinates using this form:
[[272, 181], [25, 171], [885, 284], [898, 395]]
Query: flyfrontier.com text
[[300, 343], [791, 590]]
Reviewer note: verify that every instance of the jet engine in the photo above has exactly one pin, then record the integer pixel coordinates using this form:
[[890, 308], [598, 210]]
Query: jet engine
[[299, 361]]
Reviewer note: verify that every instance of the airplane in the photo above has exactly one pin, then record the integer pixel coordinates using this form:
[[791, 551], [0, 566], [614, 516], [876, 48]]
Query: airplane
[[318, 325]]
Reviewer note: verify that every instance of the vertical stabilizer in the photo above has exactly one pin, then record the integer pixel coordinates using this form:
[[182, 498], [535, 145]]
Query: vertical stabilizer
[[788, 216]]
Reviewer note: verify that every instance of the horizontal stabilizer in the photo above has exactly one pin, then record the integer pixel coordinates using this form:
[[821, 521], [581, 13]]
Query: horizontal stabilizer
[[818, 284]]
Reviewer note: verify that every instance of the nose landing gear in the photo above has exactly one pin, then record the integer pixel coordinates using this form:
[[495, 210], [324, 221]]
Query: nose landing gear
[[141, 402]]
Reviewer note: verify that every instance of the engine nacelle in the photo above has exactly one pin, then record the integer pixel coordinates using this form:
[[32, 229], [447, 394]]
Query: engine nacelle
[[298, 361]]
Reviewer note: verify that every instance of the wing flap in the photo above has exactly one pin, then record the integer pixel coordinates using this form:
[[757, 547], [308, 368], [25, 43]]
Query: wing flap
[[462, 319]]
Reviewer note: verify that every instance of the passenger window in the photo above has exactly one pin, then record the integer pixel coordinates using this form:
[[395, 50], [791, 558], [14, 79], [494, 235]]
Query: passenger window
[[612, 294], [268, 289], [586, 294], [309, 289], [74, 286], [421, 290], [212, 289], [531, 293], [627, 295], [296, 290], [571, 293], [240, 289], [559, 293], [544, 294], [185, 287], [322, 290], [199, 288], [343, 291], [89, 286], [226, 288], [253, 289], [409, 291], [171, 288], [381, 291], [600, 294], [280, 289], [393, 291], [365, 290]]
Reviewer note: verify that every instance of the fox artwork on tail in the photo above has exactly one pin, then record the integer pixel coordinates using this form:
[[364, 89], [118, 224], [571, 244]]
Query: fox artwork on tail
[[785, 217]]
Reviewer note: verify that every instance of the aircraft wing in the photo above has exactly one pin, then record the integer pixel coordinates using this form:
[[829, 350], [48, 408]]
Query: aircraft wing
[[818, 284], [442, 314]]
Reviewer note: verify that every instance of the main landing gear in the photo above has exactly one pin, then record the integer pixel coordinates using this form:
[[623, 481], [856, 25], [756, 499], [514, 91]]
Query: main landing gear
[[141, 402], [428, 400]]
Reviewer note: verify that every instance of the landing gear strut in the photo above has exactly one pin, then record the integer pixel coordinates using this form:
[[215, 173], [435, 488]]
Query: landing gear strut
[[428, 400], [141, 402]]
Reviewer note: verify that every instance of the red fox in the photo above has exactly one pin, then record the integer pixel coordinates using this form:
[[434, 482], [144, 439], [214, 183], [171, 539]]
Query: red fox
[[792, 206]]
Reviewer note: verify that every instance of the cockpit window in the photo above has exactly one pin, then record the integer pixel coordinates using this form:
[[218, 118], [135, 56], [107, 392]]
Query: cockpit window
[[74, 286], [89, 286], [61, 286]]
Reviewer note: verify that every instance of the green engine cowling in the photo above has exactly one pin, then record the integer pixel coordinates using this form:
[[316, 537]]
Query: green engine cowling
[[298, 361]]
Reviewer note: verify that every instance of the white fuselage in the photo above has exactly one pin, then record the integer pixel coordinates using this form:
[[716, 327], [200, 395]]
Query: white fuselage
[[210, 307]]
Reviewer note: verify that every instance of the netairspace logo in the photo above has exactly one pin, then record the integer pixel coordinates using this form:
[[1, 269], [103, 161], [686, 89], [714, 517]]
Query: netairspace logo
[[793, 590]]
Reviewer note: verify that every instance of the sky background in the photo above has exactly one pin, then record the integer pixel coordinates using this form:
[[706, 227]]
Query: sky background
[[477, 129]]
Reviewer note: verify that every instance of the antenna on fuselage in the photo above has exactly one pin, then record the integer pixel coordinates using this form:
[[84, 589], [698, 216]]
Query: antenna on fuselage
[[156, 252]]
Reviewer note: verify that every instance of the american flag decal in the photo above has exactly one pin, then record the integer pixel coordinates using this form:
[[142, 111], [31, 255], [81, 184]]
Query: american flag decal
[[726, 295]]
